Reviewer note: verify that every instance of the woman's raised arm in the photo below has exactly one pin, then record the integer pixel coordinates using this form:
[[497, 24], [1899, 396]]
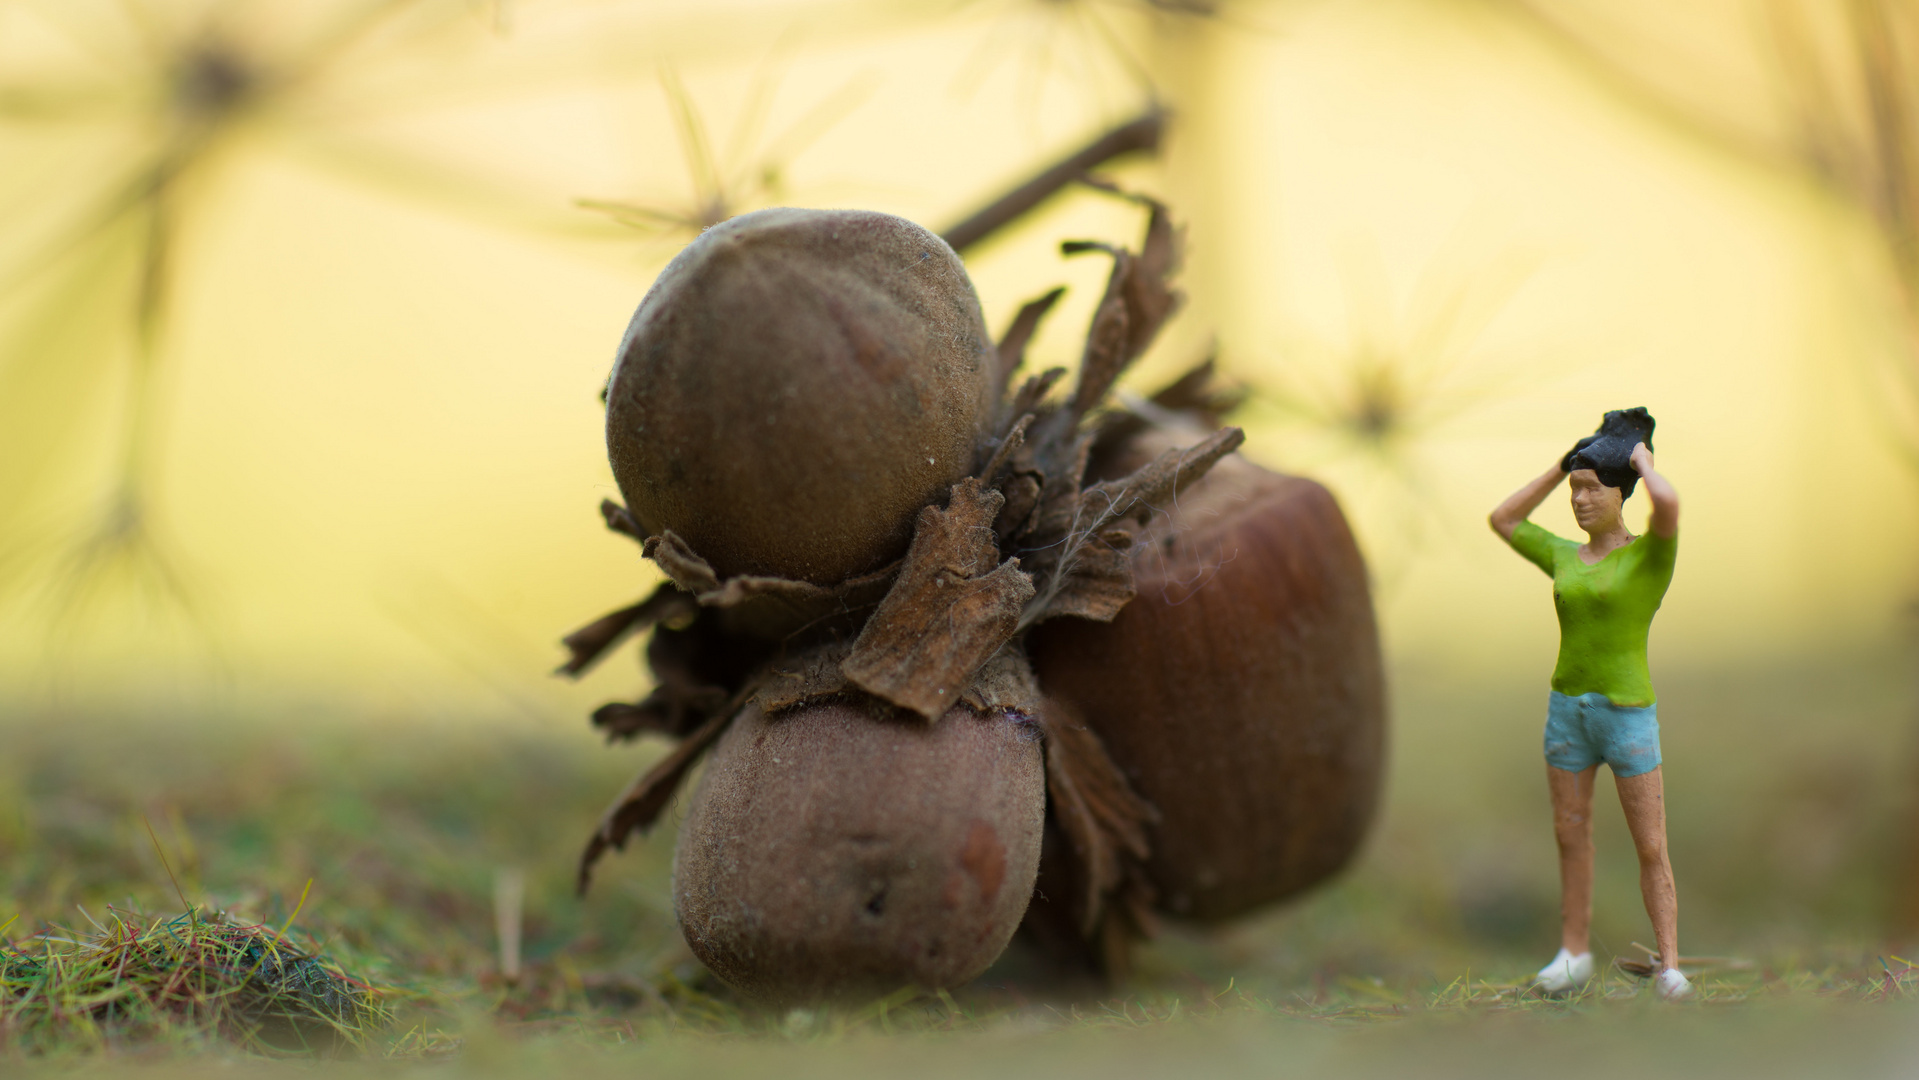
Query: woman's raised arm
[[1520, 504], [1665, 501]]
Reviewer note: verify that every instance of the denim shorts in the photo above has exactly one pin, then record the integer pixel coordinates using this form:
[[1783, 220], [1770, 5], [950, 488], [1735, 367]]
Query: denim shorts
[[1583, 731]]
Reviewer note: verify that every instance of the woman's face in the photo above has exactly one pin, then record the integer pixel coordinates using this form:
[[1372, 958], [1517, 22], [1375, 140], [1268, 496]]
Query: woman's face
[[1595, 506]]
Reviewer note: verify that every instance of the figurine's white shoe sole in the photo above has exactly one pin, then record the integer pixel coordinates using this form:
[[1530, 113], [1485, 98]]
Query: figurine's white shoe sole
[[1565, 973], [1672, 986]]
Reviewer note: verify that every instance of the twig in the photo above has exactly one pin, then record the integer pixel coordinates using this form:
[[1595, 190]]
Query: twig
[[509, 904], [1142, 133]]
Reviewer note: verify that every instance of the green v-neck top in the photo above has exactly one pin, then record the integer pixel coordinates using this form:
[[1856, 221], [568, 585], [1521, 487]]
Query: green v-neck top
[[1605, 610]]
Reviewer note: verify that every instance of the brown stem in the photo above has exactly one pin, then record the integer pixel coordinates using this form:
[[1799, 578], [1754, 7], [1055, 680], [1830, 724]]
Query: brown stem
[[1141, 134]]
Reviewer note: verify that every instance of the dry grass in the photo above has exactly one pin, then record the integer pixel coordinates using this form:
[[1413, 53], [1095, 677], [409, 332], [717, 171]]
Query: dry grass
[[190, 981]]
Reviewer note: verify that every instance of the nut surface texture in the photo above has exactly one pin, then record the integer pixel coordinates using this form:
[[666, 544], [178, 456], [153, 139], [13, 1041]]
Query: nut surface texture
[[1240, 692], [847, 849], [794, 387]]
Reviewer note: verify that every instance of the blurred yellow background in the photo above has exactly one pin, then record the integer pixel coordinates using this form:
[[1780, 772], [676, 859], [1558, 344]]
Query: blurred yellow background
[[1435, 247]]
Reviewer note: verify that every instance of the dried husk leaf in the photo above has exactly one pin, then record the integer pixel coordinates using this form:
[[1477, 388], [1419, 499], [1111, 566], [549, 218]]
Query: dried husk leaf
[[1034, 390], [768, 607], [589, 643], [1004, 683], [1021, 492], [698, 671], [1139, 299], [953, 606], [1057, 456], [1085, 573], [1012, 344], [1054, 920], [1101, 816], [673, 713], [1195, 398], [1098, 583], [1105, 356], [1156, 484], [681, 564], [1065, 533], [639, 806], [813, 676], [1009, 445]]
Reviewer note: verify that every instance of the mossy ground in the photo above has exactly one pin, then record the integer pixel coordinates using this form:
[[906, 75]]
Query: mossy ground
[[1785, 786]]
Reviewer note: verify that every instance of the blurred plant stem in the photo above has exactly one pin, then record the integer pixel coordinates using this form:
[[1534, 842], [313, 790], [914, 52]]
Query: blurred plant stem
[[1368, 410], [1142, 134], [195, 89], [1846, 77], [1845, 82]]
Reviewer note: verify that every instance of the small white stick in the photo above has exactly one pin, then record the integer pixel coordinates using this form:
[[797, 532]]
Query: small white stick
[[509, 904]]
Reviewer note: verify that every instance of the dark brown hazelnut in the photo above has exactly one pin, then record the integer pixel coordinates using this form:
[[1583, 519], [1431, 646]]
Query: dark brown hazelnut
[[795, 387], [1240, 692], [850, 848]]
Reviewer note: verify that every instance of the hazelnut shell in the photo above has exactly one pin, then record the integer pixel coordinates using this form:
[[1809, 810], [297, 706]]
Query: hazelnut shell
[[794, 387], [1240, 691], [850, 848]]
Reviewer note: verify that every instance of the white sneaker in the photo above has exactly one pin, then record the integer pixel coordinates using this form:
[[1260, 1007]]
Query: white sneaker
[[1566, 973], [1672, 986]]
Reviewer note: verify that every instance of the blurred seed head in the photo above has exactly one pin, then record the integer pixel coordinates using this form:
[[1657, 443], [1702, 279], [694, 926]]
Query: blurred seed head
[[179, 79], [1098, 50], [210, 81], [1367, 410], [1842, 111], [748, 173]]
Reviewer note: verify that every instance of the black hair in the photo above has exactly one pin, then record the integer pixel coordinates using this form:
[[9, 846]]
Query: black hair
[[1608, 451]]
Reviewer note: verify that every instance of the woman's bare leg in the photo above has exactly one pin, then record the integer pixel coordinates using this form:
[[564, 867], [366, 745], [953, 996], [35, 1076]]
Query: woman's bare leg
[[1644, 799], [1572, 794]]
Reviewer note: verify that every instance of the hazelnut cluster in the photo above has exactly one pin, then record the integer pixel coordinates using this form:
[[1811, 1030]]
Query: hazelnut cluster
[[941, 639]]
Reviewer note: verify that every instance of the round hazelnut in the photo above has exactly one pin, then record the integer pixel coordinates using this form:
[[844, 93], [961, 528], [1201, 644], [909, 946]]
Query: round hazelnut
[[850, 848], [795, 386], [1240, 691]]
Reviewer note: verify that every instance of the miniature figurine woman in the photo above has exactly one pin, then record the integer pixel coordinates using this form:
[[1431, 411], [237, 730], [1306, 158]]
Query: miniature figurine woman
[[1601, 708]]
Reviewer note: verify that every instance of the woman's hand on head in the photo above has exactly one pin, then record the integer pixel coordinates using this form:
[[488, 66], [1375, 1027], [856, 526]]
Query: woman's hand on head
[[1665, 501]]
